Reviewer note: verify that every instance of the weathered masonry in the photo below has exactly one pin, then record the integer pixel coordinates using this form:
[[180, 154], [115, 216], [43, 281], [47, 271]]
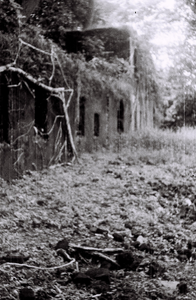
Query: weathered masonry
[[121, 43], [34, 132], [101, 121]]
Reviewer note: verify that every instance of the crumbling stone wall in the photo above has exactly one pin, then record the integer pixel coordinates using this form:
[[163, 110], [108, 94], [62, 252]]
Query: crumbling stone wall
[[34, 134]]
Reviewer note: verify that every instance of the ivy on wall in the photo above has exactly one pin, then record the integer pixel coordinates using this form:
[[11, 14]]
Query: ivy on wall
[[101, 71]]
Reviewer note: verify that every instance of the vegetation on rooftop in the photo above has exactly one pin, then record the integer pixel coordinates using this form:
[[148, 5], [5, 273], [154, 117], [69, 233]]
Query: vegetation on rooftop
[[113, 76]]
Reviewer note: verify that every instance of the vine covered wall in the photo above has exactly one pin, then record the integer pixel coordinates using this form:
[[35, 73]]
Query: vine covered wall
[[55, 104]]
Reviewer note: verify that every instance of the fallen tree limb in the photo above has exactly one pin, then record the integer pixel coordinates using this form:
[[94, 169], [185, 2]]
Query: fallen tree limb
[[106, 258], [35, 81], [33, 47], [4, 68], [39, 268], [50, 89], [106, 250]]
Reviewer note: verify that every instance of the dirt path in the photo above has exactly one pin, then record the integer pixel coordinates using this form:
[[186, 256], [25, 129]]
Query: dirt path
[[105, 202]]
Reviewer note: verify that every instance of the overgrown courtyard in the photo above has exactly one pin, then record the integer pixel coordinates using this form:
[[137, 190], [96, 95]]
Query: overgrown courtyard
[[127, 219], [118, 222]]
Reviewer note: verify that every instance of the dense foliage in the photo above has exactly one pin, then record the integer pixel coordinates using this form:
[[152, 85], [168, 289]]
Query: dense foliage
[[9, 30], [111, 74], [181, 113], [8, 20], [55, 16]]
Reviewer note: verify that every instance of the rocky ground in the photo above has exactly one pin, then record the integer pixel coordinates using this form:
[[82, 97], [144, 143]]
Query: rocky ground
[[103, 229]]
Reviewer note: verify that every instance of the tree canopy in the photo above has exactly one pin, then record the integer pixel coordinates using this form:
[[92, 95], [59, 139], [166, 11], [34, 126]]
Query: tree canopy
[[52, 15]]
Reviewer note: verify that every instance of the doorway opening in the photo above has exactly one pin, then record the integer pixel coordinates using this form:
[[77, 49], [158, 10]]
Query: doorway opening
[[96, 124], [120, 117], [81, 129]]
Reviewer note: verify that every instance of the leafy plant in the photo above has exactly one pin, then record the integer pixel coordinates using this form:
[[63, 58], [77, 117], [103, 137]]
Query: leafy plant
[[8, 20], [52, 15]]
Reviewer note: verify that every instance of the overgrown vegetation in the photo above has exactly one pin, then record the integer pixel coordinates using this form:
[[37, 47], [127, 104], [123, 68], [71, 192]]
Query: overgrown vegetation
[[113, 76], [161, 147], [56, 16], [181, 112], [8, 21]]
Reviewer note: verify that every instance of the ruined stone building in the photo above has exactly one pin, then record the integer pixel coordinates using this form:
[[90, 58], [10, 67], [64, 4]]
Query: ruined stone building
[[33, 128]]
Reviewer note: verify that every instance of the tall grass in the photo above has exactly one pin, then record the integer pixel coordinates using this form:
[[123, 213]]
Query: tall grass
[[156, 146]]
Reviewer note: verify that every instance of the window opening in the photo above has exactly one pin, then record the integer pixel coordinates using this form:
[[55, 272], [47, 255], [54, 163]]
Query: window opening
[[96, 124], [81, 129], [120, 118], [41, 110]]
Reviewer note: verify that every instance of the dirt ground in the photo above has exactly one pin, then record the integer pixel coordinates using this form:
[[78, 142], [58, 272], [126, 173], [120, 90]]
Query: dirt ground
[[145, 214]]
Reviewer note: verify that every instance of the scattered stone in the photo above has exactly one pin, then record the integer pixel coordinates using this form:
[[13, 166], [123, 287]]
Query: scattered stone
[[154, 269], [95, 179], [135, 264], [118, 176], [26, 294], [186, 252], [150, 206], [170, 236], [136, 244], [141, 239], [187, 202], [78, 184], [182, 287], [135, 232], [147, 248], [99, 274], [41, 294], [108, 171], [170, 285], [105, 204], [36, 223], [63, 244], [123, 215], [92, 228], [182, 258], [128, 225], [61, 282], [19, 259], [115, 163], [118, 237], [41, 202], [81, 278], [191, 244], [101, 230], [100, 287], [125, 260], [107, 265]]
